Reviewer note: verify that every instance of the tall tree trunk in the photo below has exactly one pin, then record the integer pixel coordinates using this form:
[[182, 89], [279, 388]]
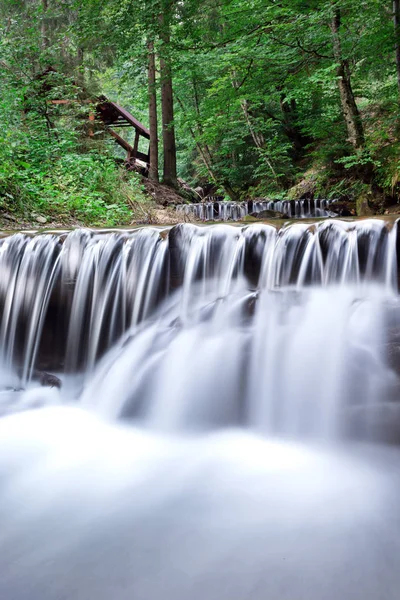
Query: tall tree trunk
[[167, 101], [351, 114], [43, 27], [396, 23], [153, 169]]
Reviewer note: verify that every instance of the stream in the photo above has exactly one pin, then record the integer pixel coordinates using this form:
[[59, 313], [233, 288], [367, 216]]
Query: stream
[[203, 412]]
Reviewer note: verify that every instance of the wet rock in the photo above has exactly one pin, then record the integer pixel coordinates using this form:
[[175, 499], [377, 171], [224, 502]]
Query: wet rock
[[255, 240], [268, 214], [48, 380], [45, 379], [344, 209], [179, 239], [249, 307]]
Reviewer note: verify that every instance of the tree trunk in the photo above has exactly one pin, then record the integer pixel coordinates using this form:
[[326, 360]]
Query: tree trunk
[[351, 114], [43, 27], [396, 23], [167, 103], [153, 169]]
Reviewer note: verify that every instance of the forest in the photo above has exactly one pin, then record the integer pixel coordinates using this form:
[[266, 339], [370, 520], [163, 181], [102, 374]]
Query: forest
[[253, 99], [199, 300]]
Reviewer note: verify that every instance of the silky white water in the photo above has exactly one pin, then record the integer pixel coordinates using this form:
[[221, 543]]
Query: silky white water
[[215, 436], [217, 210]]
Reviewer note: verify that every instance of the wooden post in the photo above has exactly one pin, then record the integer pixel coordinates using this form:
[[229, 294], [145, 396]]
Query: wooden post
[[136, 144]]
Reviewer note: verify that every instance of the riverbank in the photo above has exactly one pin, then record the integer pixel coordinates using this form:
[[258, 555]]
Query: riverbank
[[143, 202]]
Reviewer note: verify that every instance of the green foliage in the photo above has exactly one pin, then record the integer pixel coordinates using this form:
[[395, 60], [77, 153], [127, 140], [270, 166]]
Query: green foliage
[[358, 160], [340, 188], [43, 169], [48, 165]]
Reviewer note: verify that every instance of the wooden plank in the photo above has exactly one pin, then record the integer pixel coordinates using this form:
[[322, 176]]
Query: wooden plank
[[123, 143], [126, 146], [131, 119]]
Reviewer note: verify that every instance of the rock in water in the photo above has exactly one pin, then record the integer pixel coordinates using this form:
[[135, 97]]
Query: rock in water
[[47, 379], [268, 214]]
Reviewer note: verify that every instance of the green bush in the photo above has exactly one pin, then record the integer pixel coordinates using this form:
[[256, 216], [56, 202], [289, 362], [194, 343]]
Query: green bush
[[45, 171]]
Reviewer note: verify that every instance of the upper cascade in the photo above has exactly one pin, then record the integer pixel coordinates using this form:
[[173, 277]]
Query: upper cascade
[[67, 298], [217, 210]]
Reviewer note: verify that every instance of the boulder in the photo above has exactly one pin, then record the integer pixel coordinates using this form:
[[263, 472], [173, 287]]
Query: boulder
[[363, 204], [305, 189]]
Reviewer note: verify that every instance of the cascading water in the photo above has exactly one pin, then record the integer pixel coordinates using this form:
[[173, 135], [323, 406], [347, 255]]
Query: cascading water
[[217, 210], [206, 368]]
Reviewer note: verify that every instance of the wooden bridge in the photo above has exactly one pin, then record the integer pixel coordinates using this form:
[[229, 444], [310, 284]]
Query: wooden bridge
[[114, 116]]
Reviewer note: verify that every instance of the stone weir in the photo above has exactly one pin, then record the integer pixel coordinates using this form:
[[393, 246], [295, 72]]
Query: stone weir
[[215, 209], [67, 298]]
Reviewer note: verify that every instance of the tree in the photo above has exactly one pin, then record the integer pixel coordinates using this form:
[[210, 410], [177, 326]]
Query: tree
[[350, 110], [167, 96], [153, 120]]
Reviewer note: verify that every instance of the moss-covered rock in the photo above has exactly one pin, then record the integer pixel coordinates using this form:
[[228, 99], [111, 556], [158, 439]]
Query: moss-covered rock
[[305, 190], [363, 204]]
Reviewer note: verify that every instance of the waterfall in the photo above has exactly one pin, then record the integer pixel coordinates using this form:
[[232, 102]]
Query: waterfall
[[202, 443], [217, 210], [232, 320]]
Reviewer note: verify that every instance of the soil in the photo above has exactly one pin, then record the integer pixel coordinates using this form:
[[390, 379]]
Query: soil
[[393, 210], [162, 194], [164, 216]]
